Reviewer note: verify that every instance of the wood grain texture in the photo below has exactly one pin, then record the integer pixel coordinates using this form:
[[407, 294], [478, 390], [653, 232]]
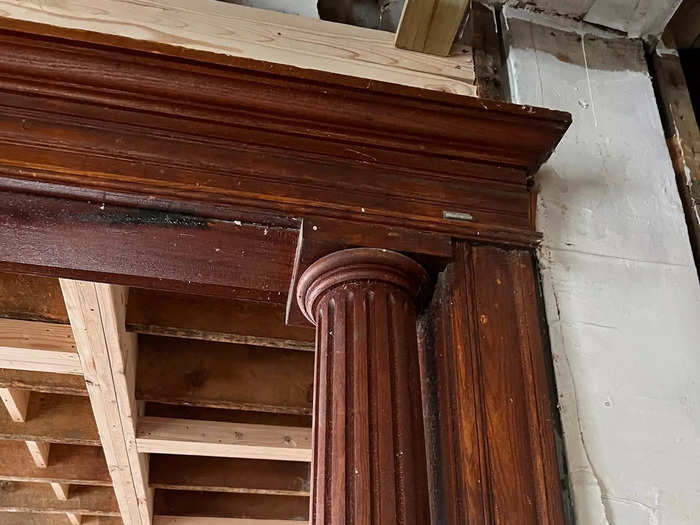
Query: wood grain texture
[[39, 498], [214, 319], [430, 26], [217, 32], [223, 375], [213, 474], [21, 518], [31, 297], [75, 464], [223, 439], [250, 506], [489, 65], [194, 520], [36, 335], [496, 444], [55, 419], [164, 250], [45, 382], [16, 403], [334, 153]]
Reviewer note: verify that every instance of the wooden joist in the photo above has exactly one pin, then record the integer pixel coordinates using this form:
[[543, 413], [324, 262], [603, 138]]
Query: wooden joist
[[196, 520], [108, 354], [22, 518], [31, 297], [220, 375], [430, 26], [214, 319], [39, 498], [53, 418], [222, 439], [255, 506], [16, 403], [45, 382], [213, 474]]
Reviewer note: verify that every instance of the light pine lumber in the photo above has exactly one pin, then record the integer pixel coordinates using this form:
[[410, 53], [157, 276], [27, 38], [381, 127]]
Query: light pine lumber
[[74, 519], [39, 335], [108, 354], [39, 450], [16, 403], [222, 439], [39, 498], [53, 418], [430, 26], [224, 30], [21, 518], [61, 490], [39, 360]]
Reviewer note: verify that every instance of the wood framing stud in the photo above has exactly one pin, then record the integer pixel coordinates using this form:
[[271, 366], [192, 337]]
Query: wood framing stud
[[74, 519], [61, 490], [16, 403], [108, 354], [39, 451], [430, 26]]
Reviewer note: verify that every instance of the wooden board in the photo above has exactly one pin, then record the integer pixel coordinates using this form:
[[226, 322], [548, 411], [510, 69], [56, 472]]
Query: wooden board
[[256, 506], [21, 518], [219, 439], [222, 375], [215, 31], [226, 415], [39, 498], [31, 297], [430, 26], [16, 333], [49, 383], [53, 418], [183, 520], [213, 474], [80, 465], [214, 319]]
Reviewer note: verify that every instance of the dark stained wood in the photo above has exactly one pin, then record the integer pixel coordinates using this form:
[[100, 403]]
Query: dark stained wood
[[253, 506], [71, 464], [91, 241], [488, 59], [198, 473], [223, 375], [214, 319], [37, 497], [53, 418], [45, 382], [228, 136], [369, 455], [497, 457], [31, 297]]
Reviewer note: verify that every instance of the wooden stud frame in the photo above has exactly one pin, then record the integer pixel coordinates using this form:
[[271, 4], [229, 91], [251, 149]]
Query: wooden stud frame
[[127, 163]]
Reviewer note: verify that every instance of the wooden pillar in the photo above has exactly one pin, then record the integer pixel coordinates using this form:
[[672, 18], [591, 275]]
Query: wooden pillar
[[369, 463]]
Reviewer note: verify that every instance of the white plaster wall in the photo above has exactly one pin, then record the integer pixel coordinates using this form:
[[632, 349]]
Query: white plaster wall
[[621, 290]]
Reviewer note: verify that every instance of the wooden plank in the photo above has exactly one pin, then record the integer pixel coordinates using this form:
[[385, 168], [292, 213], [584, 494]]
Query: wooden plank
[[37, 335], [38, 498], [226, 415], [46, 382], [21, 518], [220, 439], [255, 506], [16, 403], [70, 464], [40, 360], [222, 375], [61, 490], [54, 418], [214, 319], [489, 65], [195, 520], [224, 30], [430, 26], [215, 474], [39, 450], [109, 355], [74, 519], [31, 297]]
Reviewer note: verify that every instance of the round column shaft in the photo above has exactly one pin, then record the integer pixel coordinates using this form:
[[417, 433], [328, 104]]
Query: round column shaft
[[369, 464]]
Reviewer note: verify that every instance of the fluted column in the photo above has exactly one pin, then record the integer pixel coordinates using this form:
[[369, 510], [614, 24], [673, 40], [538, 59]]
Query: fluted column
[[369, 464]]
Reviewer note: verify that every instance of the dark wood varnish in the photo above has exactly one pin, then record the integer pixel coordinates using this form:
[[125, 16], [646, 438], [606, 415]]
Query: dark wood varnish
[[369, 453]]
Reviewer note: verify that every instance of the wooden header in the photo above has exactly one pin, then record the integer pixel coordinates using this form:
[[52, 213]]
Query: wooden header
[[82, 117]]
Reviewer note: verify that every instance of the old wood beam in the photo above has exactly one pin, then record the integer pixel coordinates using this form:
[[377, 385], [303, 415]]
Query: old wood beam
[[430, 26], [39, 498], [109, 354], [223, 439], [45, 382]]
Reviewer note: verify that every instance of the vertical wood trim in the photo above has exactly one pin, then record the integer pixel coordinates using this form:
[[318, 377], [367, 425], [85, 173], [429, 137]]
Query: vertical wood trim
[[108, 355], [16, 402]]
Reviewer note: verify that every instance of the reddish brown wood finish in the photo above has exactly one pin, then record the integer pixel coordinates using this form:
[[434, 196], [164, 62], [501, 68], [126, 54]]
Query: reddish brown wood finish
[[495, 442], [369, 454]]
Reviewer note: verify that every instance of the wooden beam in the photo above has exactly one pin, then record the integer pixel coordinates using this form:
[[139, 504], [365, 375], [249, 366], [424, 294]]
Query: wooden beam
[[39, 498], [70, 464], [16, 403], [215, 474], [221, 439], [45, 382], [217, 31], [39, 450], [250, 506], [37, 335], [430, 26], [194, 520], [214, 319], [74, 519], [53, 418], [40, 360], [109, 355], [61, 490], [22, 518], [31, 297], [222, 375]]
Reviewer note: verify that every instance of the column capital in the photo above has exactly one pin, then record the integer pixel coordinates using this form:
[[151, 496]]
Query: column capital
[[358, 264]]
